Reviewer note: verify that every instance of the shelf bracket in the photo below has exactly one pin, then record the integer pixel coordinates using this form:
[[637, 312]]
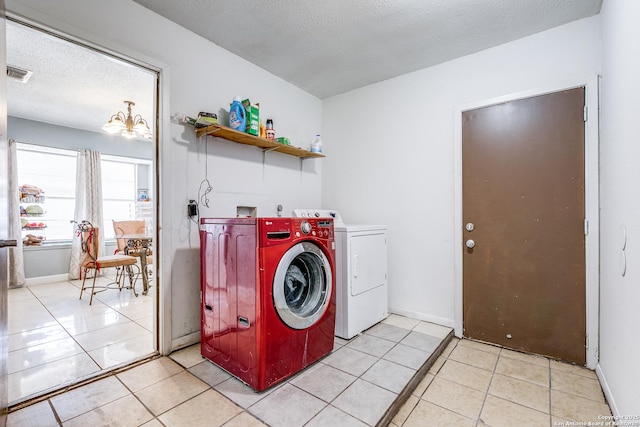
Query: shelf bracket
[[264, 155]]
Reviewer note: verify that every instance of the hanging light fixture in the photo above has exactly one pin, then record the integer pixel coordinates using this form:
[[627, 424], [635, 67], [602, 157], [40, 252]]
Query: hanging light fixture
[[128, 126]]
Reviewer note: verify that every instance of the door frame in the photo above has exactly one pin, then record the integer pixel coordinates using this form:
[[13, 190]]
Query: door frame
[[43, 22], [592, 237], [4, 227]]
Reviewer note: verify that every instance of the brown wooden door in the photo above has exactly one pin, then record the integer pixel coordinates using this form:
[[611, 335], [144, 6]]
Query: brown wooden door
[[523, 190]]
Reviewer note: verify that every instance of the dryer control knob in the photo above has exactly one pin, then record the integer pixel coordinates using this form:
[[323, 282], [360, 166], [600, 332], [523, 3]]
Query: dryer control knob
[[305, 227]]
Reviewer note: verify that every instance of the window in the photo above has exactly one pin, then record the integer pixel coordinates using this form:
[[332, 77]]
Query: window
[[54, 172], [118, 193]]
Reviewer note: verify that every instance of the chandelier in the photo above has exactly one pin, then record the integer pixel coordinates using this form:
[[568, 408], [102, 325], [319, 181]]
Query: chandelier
[[128, 126]]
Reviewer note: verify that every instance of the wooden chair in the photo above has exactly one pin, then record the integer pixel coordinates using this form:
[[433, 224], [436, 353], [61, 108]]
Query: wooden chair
[[136, 226], [91, 260]]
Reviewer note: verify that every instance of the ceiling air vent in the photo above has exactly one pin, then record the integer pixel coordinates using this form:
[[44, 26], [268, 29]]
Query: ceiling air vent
[[18, 74]]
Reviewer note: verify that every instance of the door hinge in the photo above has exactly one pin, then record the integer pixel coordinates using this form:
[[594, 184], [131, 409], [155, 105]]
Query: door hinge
[[585, 114], [586, 227]]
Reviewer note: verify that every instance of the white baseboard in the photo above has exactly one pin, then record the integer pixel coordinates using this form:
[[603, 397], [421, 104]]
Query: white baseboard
[[607, 391], [46, 279], [422, 316], [185, 341]]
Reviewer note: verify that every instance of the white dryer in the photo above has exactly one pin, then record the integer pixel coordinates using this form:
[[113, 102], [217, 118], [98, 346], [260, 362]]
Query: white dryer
[[361, 273]]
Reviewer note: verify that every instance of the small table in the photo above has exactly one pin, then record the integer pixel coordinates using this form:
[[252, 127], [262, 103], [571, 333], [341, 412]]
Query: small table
[[139, 243]]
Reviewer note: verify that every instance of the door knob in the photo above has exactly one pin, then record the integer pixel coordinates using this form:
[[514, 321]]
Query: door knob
[[470, 243], [469, 226]]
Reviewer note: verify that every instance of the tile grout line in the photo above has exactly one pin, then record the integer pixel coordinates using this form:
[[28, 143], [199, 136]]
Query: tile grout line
[[55, 413], [78, 384], [346, 345], [87, 351], [419, 375], [550, 415], [486, 394], [341, 345], [84, 350], [44, 306], [157, 417], [243, 409], [327, 404], [104, 376], [444, 379], [138, 399], [435, 375]]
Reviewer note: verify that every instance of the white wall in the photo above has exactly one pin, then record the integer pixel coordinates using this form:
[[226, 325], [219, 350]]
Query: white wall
[[390, 152], [48, 135], [198, 76], [620, 201]]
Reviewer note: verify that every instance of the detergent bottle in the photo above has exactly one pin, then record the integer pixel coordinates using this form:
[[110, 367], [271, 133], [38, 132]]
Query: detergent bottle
[[316, 145], [263, 131], [237, 115]]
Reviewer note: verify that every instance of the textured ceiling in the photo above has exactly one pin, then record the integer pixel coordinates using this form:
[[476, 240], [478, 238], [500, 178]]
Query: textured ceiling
[[332, 46], [324, 47], [71, 85]]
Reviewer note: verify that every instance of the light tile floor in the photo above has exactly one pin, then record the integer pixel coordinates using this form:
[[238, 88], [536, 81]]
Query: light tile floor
[[56, 339], [469, 384], [475, 384], [353, 386]]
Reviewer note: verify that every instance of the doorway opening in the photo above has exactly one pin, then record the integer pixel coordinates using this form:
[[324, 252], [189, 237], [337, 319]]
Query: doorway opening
[[55, 338]]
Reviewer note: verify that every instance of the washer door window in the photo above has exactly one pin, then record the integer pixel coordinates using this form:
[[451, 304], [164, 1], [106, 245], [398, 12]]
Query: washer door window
[[302, 285]]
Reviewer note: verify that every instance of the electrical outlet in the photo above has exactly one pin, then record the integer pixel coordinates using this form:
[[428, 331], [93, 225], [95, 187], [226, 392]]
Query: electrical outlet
[[192, 208]]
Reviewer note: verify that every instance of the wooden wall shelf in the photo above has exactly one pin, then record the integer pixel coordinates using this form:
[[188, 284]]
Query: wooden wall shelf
[[244, 138]]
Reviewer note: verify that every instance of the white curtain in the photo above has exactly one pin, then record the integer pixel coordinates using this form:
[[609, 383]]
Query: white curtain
[[16, 258], [88, 204]]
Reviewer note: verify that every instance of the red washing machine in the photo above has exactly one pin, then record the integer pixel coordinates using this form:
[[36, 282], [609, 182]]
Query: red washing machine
[[268, 300]]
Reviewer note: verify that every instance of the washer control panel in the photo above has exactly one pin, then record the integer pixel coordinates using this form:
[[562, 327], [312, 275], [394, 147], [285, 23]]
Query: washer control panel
[[318, 213], [276, 231], [321, 227]]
